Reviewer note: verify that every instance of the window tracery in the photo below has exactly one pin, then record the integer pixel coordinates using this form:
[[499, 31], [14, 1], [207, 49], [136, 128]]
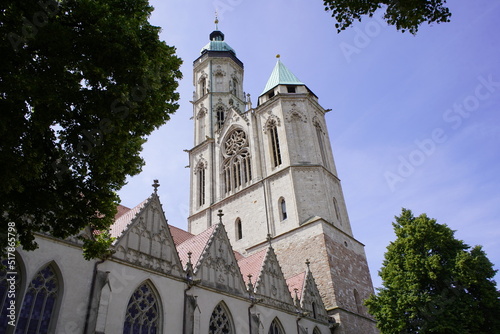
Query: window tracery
[[272, 127], [39, 302], [220, 321], [237, 170], [143, 315]]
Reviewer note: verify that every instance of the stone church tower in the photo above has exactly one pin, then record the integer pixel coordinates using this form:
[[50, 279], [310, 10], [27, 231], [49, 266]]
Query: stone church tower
[[270, 168]]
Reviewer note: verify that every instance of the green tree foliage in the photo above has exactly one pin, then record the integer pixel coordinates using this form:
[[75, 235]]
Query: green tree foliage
[[405, 15], [434, 283], [82, 83]]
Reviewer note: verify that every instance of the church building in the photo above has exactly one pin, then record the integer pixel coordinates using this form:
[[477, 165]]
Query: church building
[[269, 247]]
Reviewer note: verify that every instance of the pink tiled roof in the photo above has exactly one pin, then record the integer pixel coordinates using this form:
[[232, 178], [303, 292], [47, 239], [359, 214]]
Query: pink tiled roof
[[179, 235], [120, 224], [121, 210], [252, 265], [296, 282], [195, 245]]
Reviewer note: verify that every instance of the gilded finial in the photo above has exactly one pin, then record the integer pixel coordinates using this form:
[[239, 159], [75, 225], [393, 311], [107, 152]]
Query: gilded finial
[[278, 56], [216, 20], [220, 214]]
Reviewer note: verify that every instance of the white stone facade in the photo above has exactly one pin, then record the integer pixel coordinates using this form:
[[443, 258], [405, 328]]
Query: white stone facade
[[293, 186]]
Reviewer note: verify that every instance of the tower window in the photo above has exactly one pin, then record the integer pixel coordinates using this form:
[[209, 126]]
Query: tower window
[[203, 86], [315, 315], [271, 94], [239, 229], [220, 115], [282, 206], [237, 169], [290, 89], [200, 175], [275, 143]]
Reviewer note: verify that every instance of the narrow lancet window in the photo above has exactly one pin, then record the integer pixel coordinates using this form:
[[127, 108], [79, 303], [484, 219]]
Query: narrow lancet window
[[275, 143], [282, 206]]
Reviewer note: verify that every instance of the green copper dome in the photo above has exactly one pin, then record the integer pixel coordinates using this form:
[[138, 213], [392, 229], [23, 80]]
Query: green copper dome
[[281, 75], [217, 43]]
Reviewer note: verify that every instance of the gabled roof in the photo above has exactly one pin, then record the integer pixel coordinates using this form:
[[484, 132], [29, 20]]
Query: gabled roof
[[195, 245], [179, 235], [296, 282], [120, 211], [281, 75], [120, 224], [252, 265]]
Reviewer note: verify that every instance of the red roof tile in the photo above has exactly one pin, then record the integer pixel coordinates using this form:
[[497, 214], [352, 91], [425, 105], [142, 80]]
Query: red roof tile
[[252, 265], [179, 235], [120, 224], [296, 282], [121, 210], [195, 245]]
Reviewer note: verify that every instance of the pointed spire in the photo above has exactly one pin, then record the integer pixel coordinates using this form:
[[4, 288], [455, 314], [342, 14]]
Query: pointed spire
[[281, 75], [216, 20]]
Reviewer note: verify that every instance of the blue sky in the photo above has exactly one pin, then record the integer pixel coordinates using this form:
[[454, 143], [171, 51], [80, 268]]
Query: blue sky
[[415, 120]]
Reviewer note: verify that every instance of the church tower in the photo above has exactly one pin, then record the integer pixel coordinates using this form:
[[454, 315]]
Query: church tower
[[270, 168]]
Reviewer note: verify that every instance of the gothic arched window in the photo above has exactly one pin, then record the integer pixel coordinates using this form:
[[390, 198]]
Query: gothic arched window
[[282, 206], [275, 143], [315, 315], [203, 86], [276, 327], [39, 302], [220, 321], [143, 312], [237, 170], [200, 180], [220, 115], [239, 229]]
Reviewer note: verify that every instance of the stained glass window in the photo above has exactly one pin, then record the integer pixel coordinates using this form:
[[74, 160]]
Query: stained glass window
[[276, 327], [220, 321], [143, 316], [39, 302]]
